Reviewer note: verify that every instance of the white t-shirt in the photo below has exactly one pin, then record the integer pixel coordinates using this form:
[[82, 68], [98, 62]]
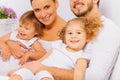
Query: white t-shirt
[[104, 51], [47, 45], [62, 58], [26, 43]]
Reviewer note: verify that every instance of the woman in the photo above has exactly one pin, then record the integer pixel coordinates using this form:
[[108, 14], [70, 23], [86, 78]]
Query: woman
[[28, 31], [46, 12]]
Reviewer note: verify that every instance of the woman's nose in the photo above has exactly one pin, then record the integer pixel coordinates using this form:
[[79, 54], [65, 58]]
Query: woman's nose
[[42, 14]]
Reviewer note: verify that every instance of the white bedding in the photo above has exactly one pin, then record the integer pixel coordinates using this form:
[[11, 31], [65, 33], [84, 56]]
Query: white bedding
[[4, 78]]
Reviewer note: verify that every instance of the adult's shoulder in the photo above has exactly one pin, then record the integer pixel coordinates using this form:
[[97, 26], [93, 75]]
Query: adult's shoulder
[[107, 22], [110, 27]]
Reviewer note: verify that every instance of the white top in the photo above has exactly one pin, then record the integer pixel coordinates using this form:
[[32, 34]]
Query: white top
[[47, 45], [26, 43], [104, 51], [62, 58]]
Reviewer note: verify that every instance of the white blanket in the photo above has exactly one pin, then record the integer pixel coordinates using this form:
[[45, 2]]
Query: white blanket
[[4, 77]]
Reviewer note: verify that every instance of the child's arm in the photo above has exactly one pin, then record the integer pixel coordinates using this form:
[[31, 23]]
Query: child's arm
[[5, 51], [80, 69], [36, 54]]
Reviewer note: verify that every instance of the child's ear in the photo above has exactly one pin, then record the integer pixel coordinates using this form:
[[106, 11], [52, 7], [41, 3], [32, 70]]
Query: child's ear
[[36, 33]]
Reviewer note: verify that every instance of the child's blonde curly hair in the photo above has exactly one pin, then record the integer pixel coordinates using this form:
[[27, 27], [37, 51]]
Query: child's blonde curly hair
[[90, 25]]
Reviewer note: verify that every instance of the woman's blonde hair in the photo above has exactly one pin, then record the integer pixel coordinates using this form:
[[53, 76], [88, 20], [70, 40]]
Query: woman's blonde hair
[[32, 0]]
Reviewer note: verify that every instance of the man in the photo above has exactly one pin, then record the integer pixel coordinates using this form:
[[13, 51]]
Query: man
[[106, 45], [104, 48]]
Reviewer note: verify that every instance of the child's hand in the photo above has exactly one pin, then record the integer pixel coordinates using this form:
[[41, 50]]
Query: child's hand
[[5, 53], [11, 72], [24, 58]]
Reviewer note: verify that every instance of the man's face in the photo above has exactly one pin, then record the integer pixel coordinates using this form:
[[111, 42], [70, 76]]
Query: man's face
[[81, 7]]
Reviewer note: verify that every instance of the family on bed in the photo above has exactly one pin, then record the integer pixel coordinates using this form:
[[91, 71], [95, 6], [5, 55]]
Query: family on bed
[[46, 47]]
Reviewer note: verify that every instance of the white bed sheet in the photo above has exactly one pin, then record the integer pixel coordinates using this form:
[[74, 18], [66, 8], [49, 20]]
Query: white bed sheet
[[4, 77]]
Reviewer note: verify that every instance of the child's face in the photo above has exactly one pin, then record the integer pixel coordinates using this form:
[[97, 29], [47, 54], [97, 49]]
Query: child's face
[[26, 31], [75, 37]]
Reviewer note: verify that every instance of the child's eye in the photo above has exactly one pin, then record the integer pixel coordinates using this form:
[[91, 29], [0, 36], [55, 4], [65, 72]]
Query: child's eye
[[78, 32], [27, 28], [20, 25], [69, 33]]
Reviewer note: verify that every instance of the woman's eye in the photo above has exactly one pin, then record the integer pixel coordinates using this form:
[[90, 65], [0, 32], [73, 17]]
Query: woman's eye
[[20, 26], [36, 10], [46, 7]]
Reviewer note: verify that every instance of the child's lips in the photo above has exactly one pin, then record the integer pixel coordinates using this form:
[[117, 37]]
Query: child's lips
[[74, 41]]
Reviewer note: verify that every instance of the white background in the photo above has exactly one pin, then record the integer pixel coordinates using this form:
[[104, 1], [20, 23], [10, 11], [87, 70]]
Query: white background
[[110, 8]]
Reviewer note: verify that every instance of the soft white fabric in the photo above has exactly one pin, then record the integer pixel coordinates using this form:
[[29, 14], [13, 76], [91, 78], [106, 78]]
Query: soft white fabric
[[47, 45], [26, 43], [4, 77], [43, 74], [104, 51], [6, 66], [12, 63], [116, 71], [22, 72], [62, 58]]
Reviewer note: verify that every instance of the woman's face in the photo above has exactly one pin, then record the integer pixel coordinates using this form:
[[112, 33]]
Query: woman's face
[[45, 10]]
